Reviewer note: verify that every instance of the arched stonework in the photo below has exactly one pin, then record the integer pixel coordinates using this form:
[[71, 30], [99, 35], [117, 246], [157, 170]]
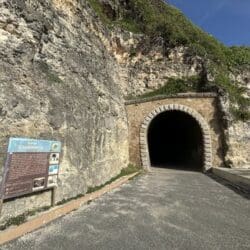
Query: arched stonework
[[207, 145]]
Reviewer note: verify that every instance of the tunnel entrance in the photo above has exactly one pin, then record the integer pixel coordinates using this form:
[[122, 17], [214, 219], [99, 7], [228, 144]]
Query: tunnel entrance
[[175, 141]]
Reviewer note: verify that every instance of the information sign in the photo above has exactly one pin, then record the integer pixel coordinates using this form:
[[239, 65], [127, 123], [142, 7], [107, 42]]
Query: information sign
[[32, 165]]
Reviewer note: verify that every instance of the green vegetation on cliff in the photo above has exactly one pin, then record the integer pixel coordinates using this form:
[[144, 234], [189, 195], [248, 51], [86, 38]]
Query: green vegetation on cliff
[[175, 86], [155, 18]]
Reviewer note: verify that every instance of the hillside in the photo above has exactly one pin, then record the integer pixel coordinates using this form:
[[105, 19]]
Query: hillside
[[155, 18], [67, 68]]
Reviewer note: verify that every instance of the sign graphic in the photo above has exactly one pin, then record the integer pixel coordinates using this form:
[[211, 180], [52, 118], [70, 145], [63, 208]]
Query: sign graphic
[[31, 165], [22, 145], [53, 169], [54, 158]]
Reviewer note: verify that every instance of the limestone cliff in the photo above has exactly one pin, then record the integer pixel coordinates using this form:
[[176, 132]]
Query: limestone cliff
[[58, 81], [64, 75], [148, 59], [144, 72]]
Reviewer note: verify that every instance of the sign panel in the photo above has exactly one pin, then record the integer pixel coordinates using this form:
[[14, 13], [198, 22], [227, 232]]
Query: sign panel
[[22, 145], [31, 165]]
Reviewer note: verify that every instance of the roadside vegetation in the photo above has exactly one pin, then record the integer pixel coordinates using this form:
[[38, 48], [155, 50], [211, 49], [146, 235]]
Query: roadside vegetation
[[155, 18], [124, 172], [130, 169], [20, 219]]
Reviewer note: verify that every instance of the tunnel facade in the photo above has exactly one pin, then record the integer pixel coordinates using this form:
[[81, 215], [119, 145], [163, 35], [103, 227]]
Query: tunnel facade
[[175, 136]]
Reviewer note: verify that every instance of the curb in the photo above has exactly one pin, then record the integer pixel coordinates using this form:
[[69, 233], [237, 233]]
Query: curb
[[236, 179], [57, 212]]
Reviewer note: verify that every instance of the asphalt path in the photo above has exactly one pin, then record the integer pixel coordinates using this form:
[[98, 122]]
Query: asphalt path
[[164, 209]]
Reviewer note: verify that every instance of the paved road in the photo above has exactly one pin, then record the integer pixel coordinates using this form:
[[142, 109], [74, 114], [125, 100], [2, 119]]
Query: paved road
[[166, 209]]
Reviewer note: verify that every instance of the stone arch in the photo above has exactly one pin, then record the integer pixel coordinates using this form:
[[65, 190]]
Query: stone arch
[[207, 145]]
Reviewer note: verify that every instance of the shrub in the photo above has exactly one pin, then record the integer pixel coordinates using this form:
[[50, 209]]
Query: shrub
[[155, 18]]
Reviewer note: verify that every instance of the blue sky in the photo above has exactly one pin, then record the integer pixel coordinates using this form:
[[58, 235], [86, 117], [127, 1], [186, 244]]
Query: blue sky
[[227, 20]]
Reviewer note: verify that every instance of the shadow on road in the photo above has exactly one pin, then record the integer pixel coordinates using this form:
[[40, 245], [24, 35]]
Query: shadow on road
[[244, 192], [239, 190]]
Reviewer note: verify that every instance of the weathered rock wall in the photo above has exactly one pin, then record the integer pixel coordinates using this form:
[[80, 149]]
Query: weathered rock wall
[[64, 76], [144, 66], [239, 145], [59, 82]]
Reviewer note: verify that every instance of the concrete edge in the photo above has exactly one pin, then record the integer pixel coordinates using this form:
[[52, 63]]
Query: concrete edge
[[57, 212], [235, 179], [179, 95]]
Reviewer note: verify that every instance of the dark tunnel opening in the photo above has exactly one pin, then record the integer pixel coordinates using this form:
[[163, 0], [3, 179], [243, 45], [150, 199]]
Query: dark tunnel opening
[[175, 141]]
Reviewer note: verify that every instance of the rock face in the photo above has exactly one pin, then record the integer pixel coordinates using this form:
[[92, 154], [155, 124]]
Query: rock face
[[145, 65], [239, 144], [59, 82], [64, 76]]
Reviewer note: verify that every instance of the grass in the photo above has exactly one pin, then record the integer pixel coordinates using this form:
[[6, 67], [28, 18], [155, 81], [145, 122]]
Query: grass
[[239, 105], [155, 18], [176, 85], [51, 76], [63, 201], [14, 221], [124, 172], [99, 10], [18, 220]]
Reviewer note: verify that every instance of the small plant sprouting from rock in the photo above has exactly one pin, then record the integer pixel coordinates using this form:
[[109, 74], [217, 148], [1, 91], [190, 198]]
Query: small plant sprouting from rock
[[63, 201], [125, 171], [18, 220], [50, 75], [175, 85], [239, 103], [155, 18], [14, 221], [23, 217]]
